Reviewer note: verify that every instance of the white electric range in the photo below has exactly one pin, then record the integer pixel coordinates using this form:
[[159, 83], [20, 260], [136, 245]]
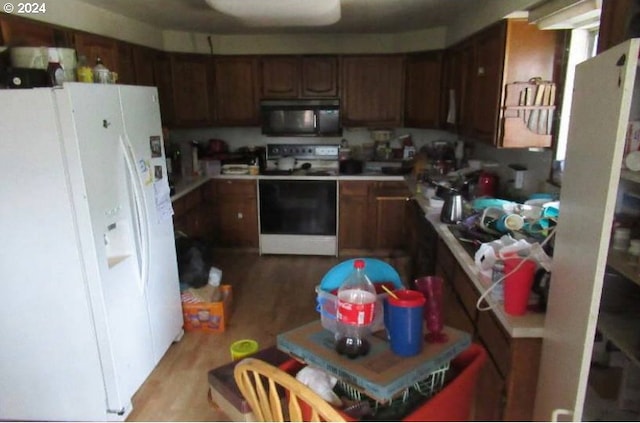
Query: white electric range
[[298, 207]]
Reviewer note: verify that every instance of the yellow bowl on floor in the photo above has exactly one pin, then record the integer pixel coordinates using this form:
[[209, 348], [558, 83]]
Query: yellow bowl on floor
[[243, 348]]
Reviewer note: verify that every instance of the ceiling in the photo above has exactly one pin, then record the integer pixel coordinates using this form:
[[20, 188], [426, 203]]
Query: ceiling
[[358, 16]]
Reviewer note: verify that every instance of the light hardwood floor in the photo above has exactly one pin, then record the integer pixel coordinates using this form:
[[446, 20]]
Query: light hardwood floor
[[272, 294]]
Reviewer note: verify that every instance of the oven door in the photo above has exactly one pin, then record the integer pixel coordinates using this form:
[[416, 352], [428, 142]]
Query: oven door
[[298, 216]]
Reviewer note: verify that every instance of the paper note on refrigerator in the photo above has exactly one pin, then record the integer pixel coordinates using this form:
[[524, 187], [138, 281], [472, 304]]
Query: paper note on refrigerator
[[161, 193]]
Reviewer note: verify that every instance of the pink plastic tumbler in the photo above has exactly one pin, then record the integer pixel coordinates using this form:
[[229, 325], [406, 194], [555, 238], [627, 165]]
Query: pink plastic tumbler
[[517, 285], [431, 288]]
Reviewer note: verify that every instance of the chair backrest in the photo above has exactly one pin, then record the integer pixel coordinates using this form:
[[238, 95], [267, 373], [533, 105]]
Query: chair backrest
[[262, 385]]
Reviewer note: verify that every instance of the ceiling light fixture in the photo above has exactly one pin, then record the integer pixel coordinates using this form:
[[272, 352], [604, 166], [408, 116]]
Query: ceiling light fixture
[[280, 12]]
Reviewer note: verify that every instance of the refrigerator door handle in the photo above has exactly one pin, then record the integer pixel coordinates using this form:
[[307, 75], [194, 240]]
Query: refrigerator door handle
[[141, 209]]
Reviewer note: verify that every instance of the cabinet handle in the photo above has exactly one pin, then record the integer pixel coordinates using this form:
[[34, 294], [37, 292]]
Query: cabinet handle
[[391, 198]]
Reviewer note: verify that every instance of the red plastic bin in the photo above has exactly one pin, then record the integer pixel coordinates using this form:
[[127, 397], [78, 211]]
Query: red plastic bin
[[453, 403]]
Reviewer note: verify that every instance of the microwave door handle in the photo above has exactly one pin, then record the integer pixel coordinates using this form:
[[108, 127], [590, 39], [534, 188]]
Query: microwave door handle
[[315, 121]]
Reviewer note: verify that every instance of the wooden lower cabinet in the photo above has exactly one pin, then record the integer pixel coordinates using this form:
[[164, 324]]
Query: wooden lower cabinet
[[372, 216], [354, 231], [191, 214], [423, 240], [507, 384], [234, 212]]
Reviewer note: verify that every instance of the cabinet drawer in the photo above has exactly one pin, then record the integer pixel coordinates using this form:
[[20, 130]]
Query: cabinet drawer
[[495, 340], [466, 292], [359, 188], [237, 187]]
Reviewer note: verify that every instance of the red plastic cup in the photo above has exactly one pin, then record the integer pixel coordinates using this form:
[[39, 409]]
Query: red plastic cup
[[517, 286]]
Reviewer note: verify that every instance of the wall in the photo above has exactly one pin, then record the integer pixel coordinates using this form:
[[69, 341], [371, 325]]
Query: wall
[[81, 16], [538, 163], [430, 39]]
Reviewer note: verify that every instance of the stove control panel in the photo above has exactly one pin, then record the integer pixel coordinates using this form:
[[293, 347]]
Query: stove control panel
[[305, 152]]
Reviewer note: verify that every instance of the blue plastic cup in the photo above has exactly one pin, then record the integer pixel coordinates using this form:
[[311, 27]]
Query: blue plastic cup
[[403, 321]]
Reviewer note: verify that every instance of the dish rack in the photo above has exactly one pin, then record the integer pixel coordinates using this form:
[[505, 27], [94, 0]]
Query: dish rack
[[404, 402], [528, 113]]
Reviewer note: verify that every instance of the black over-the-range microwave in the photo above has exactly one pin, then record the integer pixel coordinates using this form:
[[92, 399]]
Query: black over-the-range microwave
[[301, 117]]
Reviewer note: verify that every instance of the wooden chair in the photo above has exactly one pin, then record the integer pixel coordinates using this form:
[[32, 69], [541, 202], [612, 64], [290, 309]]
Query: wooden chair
[[262, 385]]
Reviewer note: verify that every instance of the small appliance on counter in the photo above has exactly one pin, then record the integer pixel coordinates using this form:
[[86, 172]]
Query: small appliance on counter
[[24, 78], [487, 184]]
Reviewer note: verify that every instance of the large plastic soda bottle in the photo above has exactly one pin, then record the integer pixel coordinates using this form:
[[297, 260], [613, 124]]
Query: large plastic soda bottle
[[356, 304]]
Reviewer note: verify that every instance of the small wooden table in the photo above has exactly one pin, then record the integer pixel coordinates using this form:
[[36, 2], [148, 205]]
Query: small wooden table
[[381, 374]]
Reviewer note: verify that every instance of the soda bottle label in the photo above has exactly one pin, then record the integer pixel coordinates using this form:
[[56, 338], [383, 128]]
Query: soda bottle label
[[356, 313]]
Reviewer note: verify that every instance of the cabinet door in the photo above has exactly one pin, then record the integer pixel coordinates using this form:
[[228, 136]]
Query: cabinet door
[[354, 228], [487, 81], [126, 72], [238, 223], [319, 76], [615, 22], [190, 75], [390, 203], [93, 46], [422, 91], [163, 79], [280, 77], [143, 59], [26, 33], [458, 72], [372, 90], [236, 91], [599, 117], [235, 210], [490, 394]]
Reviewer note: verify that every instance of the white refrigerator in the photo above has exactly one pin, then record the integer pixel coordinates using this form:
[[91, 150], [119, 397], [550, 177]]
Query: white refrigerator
[[89, 292], [606, 97]]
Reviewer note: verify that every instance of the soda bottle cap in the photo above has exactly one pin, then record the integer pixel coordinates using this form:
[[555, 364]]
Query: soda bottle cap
[[358, 264]]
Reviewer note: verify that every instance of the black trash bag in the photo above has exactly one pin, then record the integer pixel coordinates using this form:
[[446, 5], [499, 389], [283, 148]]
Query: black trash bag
[[193, 261]]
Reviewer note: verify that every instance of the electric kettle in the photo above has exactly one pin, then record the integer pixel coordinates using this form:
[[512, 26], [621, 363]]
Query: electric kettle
[[452, 208]]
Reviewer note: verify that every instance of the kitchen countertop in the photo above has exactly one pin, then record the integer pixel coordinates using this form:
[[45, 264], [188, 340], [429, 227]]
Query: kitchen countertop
[[530, 325]]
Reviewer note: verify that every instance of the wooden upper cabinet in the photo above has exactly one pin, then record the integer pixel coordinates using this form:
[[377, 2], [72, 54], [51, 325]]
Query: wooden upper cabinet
[[126, 67], [456, 82], [93, 46], [17, 32], [372, 90], [319, 76], [191, 81], [616, 22], [280, 77], [423, 90], [143, 58], [487, 81], [299, 77], [236, 91], [506, 52], [164, 81]]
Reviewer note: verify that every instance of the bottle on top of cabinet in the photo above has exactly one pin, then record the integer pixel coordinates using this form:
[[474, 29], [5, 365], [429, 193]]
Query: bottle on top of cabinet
[[54, 69]]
